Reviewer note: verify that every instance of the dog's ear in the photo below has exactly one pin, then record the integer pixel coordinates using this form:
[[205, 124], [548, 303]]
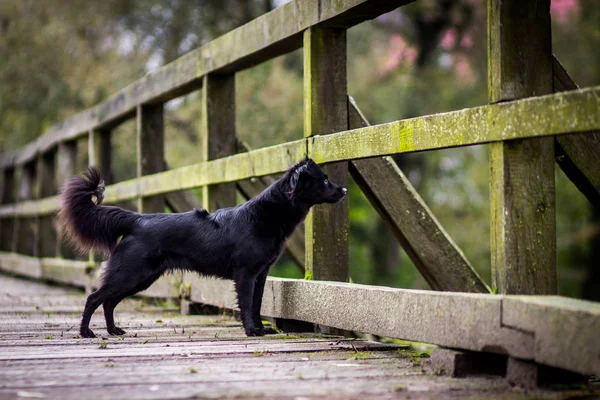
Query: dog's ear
[[297, 175]]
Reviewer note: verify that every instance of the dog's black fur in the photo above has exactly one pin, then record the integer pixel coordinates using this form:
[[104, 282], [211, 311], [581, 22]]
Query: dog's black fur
[[239, 243]]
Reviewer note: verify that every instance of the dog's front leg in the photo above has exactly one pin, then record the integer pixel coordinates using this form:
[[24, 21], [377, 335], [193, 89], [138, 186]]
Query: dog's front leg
[[259, 288], [244, 287]]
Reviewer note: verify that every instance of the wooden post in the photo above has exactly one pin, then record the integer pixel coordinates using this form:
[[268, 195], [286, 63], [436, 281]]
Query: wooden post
[[218, 134], [326, 111], [46, 180], [67, 157], [100, 153], [7, 195], [523, 219], [150, 152], [25, 228]]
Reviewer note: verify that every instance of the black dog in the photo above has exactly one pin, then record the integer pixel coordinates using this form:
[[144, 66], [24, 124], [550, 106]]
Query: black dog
[[239, 243]]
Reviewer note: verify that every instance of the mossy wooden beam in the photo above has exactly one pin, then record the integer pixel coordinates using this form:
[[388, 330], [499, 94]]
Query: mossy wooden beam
[[432, 251], [557, 114], [522, 189], [100, 152], [67, 162], [325, 111], [150, 152], [182, 201], [261, 39], [26, 232], [577, 155], [218, 134], [7, 195], [525, 327], [47, 243], [19, 264]]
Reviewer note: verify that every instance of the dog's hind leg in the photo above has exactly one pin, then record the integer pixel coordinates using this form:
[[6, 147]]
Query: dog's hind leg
[[92, 303], [115, 297], [109, 308]]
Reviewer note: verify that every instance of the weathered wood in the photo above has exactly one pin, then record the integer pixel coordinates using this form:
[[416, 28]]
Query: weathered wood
[[266, 37], [26, 233], [7, 195], [432, 251], [522, 189], [166, 355], [325, 111], [523, 327], [46, 186], [555, 323], [182, 201], [67, 161], [67, 272], [70, 272], [467, 363], [167, 287], [150, 152], [218, 134], [557, 114], [100, 152], [577, 155]]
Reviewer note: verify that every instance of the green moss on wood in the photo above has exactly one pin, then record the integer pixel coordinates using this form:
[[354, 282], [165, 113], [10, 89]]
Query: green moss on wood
[[574, 111]]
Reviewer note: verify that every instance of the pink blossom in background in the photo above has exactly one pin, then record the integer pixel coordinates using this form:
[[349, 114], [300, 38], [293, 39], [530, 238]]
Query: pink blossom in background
[[449, 39], [399, 52], [464, 70], [466, 41], [563, 10]]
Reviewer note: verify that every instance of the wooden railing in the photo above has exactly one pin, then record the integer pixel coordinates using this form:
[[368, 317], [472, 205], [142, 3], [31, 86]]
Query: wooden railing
[[522, 131]]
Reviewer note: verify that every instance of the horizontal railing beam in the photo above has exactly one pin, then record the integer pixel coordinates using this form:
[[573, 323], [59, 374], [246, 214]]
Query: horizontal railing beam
[[81, 274], [268, 36], [526, 327], [556, 114]]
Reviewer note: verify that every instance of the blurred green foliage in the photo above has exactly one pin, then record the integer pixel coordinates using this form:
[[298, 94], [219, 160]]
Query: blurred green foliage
[[60, 57]]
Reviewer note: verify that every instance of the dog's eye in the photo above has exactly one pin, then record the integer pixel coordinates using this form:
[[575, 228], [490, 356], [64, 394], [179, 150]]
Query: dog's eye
[[326, 182]]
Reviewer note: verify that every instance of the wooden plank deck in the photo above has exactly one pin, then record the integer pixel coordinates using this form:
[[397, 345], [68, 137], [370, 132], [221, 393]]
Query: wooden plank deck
[[167, 355]]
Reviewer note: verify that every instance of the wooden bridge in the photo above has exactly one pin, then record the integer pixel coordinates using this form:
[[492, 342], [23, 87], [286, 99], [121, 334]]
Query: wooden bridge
[[523, 327]]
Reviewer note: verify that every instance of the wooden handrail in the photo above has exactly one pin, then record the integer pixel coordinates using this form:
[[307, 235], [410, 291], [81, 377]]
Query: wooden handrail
[[556, 114]]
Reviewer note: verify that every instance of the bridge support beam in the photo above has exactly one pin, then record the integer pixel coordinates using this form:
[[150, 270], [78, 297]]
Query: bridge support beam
[[523, 215], [326, 111], [25, 227], [47, 186], [67, 167], [150, 152], [218, 134], [7, 195], [577, 154], [430, 248]]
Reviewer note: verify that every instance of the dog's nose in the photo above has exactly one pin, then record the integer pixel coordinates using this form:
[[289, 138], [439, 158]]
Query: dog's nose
[[344, 190]]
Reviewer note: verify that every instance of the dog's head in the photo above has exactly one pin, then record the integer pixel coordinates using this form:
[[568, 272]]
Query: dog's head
[[309, 183]]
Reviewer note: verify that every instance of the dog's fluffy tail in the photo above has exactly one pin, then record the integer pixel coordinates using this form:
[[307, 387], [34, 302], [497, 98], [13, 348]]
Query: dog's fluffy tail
[[88, 224]]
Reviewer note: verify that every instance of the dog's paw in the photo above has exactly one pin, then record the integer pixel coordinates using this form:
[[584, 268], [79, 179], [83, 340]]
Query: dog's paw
[[255, 332], [86, 333], [116, 331], [269, 331]]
